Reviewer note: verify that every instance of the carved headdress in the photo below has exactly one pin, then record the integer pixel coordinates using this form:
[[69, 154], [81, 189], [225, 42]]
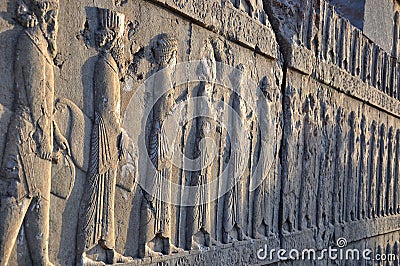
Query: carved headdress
[[26, 10], [165, 48], [44, 4], [111, 20]]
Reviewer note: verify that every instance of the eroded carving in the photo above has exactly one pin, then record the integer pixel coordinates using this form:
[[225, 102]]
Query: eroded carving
[[372, 164], [199, 217], [155, 214], [340, 136], [263, 194], [307, 203], [96, 233], [234, 202], [33, 135]]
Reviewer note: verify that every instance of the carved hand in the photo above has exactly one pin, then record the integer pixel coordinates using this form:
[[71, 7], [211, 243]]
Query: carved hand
[[61, 141], [28, 21], [123, 144], [45, 150]]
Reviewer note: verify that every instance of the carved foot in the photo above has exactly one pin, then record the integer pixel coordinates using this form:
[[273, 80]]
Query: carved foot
[[202, 240], [115, 257], [174, 249], [151, 253], [202, 237], [195, 245], [214, 242], [260, 236], [241, 235], [89, 262], [225, 237], [285, 232], [163, 245]]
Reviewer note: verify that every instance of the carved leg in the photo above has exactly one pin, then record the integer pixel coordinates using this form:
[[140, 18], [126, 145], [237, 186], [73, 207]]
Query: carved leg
[[202, 239], [115, 257], [173, 248], [209, 240], [225, 237], [86, 261], [37, 231], [241, 235], [150, 253], [11, 218]]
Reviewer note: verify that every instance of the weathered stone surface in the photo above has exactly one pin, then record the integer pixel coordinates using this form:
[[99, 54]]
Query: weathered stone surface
[[197, 132], [379, 13]]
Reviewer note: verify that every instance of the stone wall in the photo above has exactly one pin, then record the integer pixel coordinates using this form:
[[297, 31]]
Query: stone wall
[[321, 118]]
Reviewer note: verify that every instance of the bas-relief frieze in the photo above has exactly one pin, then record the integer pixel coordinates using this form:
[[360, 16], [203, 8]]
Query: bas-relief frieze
[[336, 165], [33, 134]]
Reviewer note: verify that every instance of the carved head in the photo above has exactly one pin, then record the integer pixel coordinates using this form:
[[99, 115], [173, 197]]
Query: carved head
[[373, 127], [238, 75], [43, 13], [383, 130], [363, 123], [266, 88], [391, 133], [108, 38], [352, 119], [110, 28], [165, 49], [207, 70], [25, 16], [205, 127], [46, 12]]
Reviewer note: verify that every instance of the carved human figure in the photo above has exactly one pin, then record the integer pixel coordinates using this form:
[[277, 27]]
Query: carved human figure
[[350, 186], [96, 236], [388, 198], [372, 169], [254, 8], [198, 217], [381, 172], [155, 209], [26, 168], [363, 171], [396, 175], [263, 194], [338, 184], [326, 166], [233, 214], [307, 202], [291, 179]]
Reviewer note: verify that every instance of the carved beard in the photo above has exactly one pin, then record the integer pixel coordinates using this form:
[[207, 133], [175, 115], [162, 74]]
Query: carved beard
[[118, 52], [50, 35]]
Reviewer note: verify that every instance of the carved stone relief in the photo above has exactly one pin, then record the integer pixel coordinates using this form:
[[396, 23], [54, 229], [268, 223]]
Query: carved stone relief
[[33, 136], [299, 159], [155, 216], [96, 232]]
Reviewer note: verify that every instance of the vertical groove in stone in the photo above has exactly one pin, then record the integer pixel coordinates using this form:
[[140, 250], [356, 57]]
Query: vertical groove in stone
[[389, 174], [396, 174]]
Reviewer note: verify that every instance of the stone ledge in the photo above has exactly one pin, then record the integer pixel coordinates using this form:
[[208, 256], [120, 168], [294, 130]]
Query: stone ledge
[[229, 22], [245, 252], [303, 61], [238, 253]]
